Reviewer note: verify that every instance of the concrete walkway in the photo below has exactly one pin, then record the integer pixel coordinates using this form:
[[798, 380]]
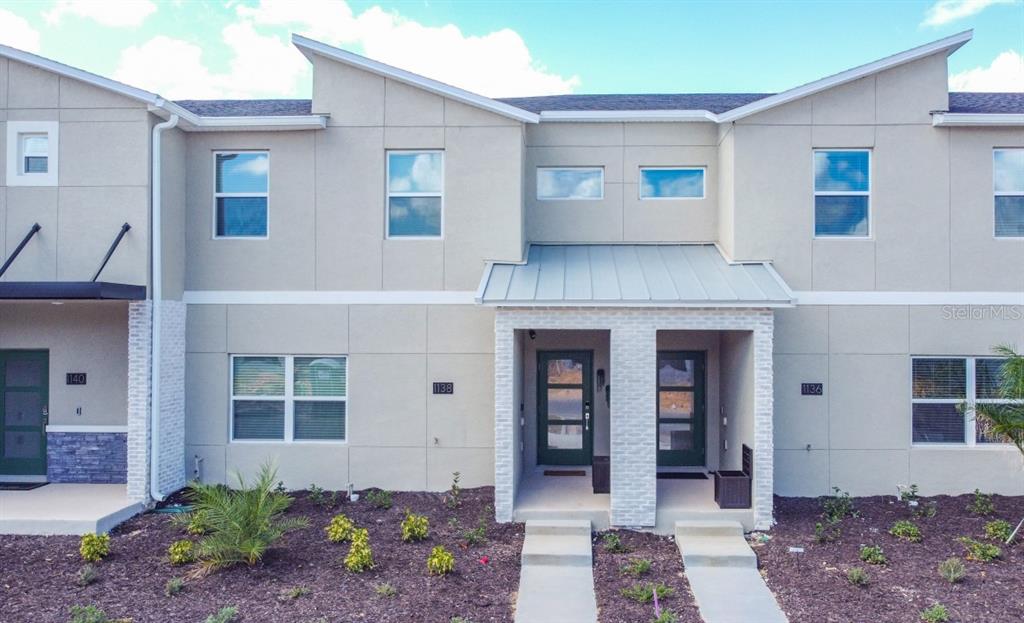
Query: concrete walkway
[[65, 509], [556, 582], [722, 571]]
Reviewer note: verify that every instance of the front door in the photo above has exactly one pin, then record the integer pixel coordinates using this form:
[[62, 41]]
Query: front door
[[565, 429], [681, 408], [24, 391]]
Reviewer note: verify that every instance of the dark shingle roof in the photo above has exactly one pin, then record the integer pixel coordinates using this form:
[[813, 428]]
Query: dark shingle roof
[[986, 102], [246, 108], [714, 102]]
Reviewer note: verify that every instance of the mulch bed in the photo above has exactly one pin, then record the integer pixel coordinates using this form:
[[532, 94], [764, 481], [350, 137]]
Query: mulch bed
[[812, 587], [38, 574], [666, 567]]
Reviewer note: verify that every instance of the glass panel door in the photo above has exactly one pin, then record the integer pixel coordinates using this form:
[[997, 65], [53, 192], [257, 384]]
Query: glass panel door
[[24, 391], [564, 408], [681, 408]]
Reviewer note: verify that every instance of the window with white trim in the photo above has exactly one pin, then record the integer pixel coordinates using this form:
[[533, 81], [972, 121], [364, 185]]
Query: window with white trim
[[241, 194], [671, 182], [569, 183], [842, 193], [415, 206], [1008, 187], [944, 391], [289, 398], [32, 153]]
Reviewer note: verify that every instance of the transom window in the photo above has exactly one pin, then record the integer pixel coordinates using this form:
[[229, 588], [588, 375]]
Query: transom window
[[241, 194], [1008, 185], [570, 183], [941, 385], [842, 188], [289, 398], [415, 194], [671, 182]]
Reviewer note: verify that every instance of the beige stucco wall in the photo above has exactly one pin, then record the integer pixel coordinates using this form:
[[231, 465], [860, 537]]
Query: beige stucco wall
[[738, 396], [87, 337]]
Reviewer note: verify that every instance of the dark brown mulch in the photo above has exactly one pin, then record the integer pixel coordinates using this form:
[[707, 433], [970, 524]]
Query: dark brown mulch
[[666, 567], [812, 586], [38, 574]]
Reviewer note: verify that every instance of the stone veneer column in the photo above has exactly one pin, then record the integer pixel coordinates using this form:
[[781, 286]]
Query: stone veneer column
[[139, 348], [505, 451]]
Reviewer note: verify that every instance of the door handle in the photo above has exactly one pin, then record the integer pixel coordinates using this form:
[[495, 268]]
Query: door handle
[[586, 416], [46, 415]]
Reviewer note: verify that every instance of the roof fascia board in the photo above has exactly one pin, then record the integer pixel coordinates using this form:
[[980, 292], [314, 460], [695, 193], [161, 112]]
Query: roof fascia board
[[642, 304], [191, 122], [948, 44], [307, 46], [627, 115], [961, 119]]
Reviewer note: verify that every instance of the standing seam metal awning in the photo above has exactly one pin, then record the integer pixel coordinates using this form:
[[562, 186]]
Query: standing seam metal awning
[[630, 275]]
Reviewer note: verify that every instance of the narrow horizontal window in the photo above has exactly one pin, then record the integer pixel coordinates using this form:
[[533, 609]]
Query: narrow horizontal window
[[671, 183], [241, 194], [1008, 185], [842, 187], [570, 183], [415, 203]]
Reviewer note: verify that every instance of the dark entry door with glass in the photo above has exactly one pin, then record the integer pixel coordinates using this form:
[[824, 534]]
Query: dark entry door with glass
[[565, 429], [681, 408], [24, 390]]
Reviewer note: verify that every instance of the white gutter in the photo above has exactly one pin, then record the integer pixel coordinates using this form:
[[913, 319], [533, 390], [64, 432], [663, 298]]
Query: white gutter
[[611, 116], [969, 119], [157, 293]]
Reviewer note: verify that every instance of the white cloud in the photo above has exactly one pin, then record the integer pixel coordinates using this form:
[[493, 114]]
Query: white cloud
[[946, 11], [16, 32], [1006, 73], [113, 13]]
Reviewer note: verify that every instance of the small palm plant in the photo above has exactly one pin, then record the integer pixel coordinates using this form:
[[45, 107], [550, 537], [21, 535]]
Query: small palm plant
[[1006, 419], [241, 524]]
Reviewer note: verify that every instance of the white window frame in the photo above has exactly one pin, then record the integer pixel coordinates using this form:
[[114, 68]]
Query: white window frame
[[570, 168], [217, 195], [1004, 193], [289, 398], [388, 193], [703, 183], [842, 193], [971, 399], [16, 132]]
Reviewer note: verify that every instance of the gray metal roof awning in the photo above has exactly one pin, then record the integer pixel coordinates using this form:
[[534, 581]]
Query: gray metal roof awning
[[632, 275], [70, 290]]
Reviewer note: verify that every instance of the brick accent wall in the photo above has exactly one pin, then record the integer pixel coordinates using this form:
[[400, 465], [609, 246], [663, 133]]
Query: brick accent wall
[[633, 415], [139, 348], [87, 457]]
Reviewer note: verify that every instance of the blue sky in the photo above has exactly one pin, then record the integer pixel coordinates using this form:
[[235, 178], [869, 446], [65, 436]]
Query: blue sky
[[240, 48]]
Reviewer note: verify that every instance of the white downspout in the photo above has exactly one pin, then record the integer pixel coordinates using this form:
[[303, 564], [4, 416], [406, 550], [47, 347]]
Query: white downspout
[[156, 221]]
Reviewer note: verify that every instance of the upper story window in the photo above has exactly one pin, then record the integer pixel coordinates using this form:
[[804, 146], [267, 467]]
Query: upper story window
[[842, 188], [671, 182], [941, 385], [32, 153], [289, 398], [570, 183], [241, 194], [1008, 183], [415, 194]]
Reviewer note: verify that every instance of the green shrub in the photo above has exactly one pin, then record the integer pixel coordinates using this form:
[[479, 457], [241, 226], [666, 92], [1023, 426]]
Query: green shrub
[[826, 532], [86, 575], [952, 570], [379, 498], [242, 523], [94, 547], [477, 535], [224, 615], [291, 594], [181, 552], [909, 494], [636, 567], [440, 561], [935, 614], [385, 590], [982, 505], [174, 586], [926, 510], [838, 506], [360, 556], [321, 498], [414, 527], [340, 529], [857, 576], [981, 552], [611, 542], [92, 614], [666, 616], [643, 592], [872, 554], [459, 620], [454, 498], [998, 530], [906, 530]]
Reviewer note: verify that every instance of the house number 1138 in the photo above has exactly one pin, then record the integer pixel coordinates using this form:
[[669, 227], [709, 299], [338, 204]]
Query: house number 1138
[[444, 388]]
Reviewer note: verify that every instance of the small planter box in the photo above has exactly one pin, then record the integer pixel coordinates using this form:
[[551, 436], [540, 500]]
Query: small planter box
[[732, 488], [601, 474]]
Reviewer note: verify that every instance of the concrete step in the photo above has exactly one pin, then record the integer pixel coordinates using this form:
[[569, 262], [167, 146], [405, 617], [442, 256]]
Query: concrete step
[[708, 527], [716, 551], [570, 550], [579, 527]]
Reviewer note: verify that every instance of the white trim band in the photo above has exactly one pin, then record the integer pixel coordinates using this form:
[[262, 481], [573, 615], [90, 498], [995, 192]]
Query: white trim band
[[825, 297], [329, 297], [86, 428]]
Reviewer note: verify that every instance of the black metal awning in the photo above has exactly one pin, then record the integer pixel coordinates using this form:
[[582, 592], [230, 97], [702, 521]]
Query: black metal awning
[[71, 290]]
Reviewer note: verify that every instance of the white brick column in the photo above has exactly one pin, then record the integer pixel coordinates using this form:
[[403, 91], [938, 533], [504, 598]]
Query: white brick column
[[505, 426], [633, 423], [764, 448], [172, 396], [139, 347]]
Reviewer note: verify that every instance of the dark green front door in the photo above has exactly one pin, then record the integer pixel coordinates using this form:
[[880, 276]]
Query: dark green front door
[[565, 427], [681, 417], [24, 396]]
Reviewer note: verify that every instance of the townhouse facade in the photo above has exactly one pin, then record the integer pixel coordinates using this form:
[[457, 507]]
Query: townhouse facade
[[397, 280]]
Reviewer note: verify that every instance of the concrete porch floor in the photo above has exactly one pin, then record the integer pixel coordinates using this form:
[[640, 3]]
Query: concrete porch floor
[[680, 500], [65, 509]]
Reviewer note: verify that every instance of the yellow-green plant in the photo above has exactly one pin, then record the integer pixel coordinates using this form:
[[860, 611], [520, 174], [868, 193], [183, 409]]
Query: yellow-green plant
[[440, 561], [906, 530], [360, 556], [340, 529], [998, 530], [94, 547], [181, 552], [872, 554], [981, 552], [414, 527]]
